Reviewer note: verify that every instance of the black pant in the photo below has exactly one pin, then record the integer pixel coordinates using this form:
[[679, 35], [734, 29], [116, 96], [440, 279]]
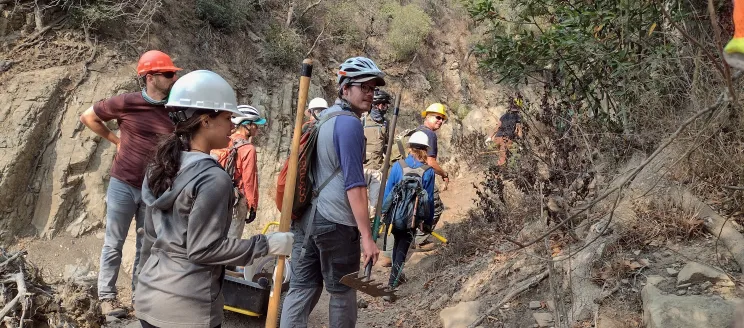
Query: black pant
[[403, 240], [147, 325]]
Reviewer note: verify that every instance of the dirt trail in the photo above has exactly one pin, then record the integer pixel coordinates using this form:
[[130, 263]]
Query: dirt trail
[[54, 255]]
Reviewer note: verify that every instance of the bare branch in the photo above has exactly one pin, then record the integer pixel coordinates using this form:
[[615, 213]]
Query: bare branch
[[516, 291], [22, 293], [687, 36], [308, 8], [315, 43]]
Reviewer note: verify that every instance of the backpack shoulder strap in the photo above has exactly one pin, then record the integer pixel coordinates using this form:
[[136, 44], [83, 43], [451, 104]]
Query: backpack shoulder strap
[[403, 163], [334, 114]]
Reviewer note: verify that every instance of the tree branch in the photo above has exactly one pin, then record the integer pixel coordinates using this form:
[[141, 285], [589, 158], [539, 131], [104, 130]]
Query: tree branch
[[308, 8], [516, 291], [315, 43], [694, 41]]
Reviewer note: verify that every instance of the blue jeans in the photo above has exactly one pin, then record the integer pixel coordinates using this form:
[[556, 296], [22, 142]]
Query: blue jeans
[[122, 203]]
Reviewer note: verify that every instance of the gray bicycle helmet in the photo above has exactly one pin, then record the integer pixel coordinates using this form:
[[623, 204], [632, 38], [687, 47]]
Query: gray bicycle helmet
[[359, 69]]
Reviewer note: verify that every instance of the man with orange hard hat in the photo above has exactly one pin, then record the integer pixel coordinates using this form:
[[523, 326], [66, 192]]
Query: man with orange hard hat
[[142, 119]]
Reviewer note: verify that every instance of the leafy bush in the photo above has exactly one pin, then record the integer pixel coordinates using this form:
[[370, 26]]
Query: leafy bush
[[228, 15], [343, 23], [409, 27], [282, 47]]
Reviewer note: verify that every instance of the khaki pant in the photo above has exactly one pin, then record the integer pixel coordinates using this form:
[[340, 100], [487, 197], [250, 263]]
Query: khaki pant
[[502, 145], [239, 214], [373, 179]]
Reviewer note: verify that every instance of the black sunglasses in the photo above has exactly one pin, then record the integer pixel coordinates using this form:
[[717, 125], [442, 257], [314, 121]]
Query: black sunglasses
[[167, 75], [439, 118]]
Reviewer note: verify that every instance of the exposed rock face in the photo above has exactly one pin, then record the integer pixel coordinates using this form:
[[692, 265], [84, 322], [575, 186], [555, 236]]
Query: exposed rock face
[[53, 171]]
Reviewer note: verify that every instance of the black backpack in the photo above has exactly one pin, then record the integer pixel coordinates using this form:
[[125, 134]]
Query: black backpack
[[407, 206]]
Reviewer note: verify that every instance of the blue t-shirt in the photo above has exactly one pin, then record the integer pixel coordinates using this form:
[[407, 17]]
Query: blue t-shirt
[[349, 142], [433, 149], [427, 181], [340, 145]]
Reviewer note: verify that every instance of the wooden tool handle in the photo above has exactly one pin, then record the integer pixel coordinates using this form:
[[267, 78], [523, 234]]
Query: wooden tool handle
[[289, 187]]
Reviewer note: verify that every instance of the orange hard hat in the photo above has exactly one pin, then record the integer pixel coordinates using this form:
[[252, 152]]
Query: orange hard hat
[[155, 61]]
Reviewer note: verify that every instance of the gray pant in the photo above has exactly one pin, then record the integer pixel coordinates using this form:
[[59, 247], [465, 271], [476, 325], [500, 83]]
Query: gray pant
[[332, 251], [122, 203]]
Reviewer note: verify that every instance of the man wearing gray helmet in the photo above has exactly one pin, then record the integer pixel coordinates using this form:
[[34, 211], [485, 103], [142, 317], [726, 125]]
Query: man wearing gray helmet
[[327, 240]]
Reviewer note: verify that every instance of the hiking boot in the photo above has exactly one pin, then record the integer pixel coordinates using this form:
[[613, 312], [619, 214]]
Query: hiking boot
[[384, 261], [388, 298], [111, 307]]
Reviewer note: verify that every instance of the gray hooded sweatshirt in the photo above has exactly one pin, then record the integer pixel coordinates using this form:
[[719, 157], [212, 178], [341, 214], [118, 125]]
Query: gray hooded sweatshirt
[[185, 247]]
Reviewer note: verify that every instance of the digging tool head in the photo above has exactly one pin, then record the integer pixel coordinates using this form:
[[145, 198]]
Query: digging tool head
[[367, 285]]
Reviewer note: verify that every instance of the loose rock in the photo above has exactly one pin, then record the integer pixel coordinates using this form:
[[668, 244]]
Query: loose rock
[[534, 305], [672, 272], [695, 272], [672, 311], [543, 319], [460, 315]]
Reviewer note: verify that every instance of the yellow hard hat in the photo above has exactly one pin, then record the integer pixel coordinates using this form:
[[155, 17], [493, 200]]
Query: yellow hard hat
[[435, 108]]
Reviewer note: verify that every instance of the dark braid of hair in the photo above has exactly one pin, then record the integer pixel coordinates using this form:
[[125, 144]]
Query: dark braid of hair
[[164, 166]]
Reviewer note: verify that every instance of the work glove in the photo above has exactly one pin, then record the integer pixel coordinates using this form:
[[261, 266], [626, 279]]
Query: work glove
[[488, 141], [251, 215], [280, 243]]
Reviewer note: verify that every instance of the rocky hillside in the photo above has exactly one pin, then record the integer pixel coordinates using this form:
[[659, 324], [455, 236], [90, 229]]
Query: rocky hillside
[[57, 61]]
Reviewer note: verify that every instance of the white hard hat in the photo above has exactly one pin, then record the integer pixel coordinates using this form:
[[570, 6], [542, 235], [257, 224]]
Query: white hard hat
[[317, 103], [418, 139], [251, 115], [202, 89]]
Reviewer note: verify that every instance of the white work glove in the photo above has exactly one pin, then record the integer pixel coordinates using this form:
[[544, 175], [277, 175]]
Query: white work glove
[[280, 243], [488, 141]]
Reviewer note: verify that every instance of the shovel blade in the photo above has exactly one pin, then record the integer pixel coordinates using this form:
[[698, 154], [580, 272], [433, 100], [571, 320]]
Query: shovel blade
[[367, 286]]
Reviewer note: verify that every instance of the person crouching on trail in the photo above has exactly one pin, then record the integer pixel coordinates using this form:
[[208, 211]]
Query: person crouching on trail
[[189, 199], [399, 192], [240, 160], [328, 235], [509, 128], [142, 119], [376, 132]]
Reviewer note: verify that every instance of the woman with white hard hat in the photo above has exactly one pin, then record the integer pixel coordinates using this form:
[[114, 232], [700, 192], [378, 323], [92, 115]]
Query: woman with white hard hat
[[189, 199], [418, 145]]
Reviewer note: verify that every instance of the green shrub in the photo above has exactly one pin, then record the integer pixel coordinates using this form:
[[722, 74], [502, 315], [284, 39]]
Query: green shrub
[[409, 27], [344, 24], [283, 47], [227, 15]]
